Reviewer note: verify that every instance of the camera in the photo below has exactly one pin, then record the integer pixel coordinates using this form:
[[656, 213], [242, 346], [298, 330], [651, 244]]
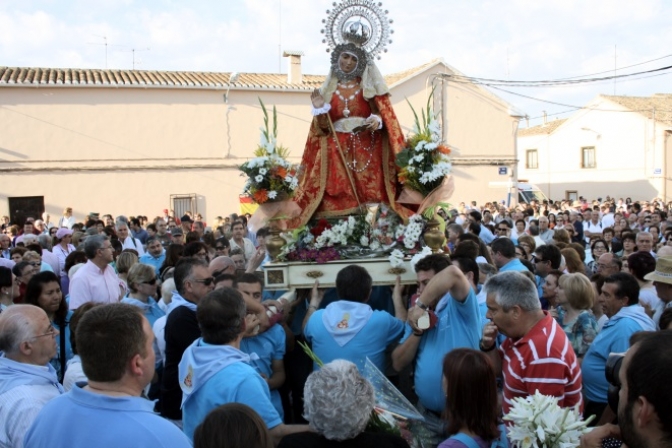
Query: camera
[[611, 370]]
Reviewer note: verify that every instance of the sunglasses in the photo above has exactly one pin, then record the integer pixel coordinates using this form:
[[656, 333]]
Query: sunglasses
[[206, 281], [221, 247], [150, 282]]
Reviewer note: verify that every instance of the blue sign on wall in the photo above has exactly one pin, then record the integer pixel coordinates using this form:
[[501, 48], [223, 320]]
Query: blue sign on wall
[[503, 171]]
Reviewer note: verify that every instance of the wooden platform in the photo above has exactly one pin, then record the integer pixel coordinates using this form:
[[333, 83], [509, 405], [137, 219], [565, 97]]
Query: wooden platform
[[285, 275]]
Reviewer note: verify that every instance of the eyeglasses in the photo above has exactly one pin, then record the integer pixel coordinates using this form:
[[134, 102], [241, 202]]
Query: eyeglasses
[[205, 281], [51, 332], [502, 229], [34, 263], [537, 260], [221, 247]]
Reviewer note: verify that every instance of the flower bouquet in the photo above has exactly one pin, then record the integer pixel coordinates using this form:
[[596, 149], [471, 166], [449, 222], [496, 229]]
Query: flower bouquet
[[538, 421], [424, 164], [272, 180]]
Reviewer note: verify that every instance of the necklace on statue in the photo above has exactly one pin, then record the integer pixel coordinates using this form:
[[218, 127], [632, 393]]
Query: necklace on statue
[[346, 109]]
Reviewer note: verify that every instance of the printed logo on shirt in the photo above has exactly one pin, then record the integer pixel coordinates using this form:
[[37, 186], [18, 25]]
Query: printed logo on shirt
[[187, 379], [343, 324]]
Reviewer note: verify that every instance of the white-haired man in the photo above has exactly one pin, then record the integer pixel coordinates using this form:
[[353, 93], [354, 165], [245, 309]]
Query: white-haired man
[[536, 356], [27, 380]]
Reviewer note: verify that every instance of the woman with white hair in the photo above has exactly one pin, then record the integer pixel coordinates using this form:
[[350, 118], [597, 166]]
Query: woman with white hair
[[338, 402]]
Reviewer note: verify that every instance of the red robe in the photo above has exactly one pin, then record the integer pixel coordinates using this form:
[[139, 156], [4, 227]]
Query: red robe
[[324, 188]]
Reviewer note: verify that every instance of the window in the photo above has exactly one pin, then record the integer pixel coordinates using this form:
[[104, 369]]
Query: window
[[588, 157], [531, 159]]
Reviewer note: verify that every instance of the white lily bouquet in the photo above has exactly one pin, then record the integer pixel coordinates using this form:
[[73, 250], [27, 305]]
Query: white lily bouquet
[[539, 422]]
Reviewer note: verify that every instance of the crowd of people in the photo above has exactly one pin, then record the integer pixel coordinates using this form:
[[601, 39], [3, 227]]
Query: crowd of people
[[159, 332]]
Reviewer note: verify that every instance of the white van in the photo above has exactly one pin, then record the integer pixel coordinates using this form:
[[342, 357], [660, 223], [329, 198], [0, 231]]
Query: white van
[[530, 192]]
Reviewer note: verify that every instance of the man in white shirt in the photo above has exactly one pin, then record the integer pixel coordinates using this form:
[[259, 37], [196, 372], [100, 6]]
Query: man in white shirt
[[593, 228], [127, 241], [237, 240], [96, 281]]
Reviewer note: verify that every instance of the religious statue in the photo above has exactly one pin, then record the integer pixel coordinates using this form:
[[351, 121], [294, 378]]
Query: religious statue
[[349, 159]]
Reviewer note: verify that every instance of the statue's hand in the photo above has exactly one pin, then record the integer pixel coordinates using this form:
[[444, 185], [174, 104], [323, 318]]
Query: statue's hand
[[317, 99]]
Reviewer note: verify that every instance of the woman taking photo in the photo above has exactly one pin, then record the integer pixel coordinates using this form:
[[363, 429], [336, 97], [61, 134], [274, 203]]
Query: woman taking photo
[[575, 299], [44, 291], [471, 410]]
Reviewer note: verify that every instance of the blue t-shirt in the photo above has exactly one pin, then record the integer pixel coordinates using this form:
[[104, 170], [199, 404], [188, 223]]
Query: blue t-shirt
[[236, 383], [150, 309], [613, 338], [459, 325], [84, 419], [513, 265], [156, 263], [381, 330], [269, 346]]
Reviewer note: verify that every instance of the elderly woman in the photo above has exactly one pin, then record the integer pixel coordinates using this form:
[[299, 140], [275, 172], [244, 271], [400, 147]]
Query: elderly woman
[[142, 289], [338, 402], [44, 291], [35, 259], [575, 299], [598, 247]]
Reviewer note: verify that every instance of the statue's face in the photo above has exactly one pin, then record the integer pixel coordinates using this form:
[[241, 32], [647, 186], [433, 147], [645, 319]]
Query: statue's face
[[347, 62]]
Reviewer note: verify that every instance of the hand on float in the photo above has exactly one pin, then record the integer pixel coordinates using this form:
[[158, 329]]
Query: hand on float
[[317, 99], [373, 123]]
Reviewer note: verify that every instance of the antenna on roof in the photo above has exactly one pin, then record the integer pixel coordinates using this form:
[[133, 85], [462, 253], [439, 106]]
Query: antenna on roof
[[105, 44], [133, 50]]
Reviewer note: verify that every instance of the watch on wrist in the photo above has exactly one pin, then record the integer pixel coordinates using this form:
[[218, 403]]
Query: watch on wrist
[[485, 349], [421, 305]]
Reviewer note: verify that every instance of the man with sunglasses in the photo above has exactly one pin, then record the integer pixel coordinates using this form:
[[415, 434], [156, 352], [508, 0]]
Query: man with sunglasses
[[193, 281], [503, 230], [27, 380]]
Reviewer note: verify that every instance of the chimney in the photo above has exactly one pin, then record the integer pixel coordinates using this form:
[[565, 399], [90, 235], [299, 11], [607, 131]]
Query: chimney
[[294, 72], [545, 118]]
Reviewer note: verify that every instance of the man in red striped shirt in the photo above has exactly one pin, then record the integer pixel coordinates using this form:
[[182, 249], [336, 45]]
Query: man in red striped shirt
[[536, 354]]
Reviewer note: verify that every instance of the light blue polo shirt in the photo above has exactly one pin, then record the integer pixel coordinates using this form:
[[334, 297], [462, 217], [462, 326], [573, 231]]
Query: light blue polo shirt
[[81, 418], [613, 338], [236, 383], [269, 346], [459, 325], [155, 262], [381, 330], [513, 265]]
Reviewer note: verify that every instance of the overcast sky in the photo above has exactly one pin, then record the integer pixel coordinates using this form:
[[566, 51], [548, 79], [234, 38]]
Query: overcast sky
[[502, 39]]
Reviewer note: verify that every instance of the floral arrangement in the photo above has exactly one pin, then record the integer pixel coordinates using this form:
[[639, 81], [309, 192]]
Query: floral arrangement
[[377, 234], [425, 161], [539, 422], [271, 177]]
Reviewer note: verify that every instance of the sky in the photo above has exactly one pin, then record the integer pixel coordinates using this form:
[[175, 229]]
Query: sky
[[504, 39]]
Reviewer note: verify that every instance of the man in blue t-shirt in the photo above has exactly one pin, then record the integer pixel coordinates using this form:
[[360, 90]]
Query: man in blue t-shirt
[[349, 328], [114, 342], [446, 290], [214, 371]]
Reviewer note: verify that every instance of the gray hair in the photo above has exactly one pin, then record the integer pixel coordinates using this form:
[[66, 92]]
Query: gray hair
[[513, 288], [16, 326], [338, 400], [488, 269], [45, 241], [92, 244], [29, 239], [121, 221], [167, 288]]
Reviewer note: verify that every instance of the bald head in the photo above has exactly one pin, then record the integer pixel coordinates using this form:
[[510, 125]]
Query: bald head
[[222, 265], [19, 324]]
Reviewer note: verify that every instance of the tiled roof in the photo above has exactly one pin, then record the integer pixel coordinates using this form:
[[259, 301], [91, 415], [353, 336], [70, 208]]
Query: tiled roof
[[661, 102], [31, 77], [541, 129]]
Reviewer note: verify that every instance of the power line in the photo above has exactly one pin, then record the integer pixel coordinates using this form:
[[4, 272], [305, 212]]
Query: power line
[[546, 83]]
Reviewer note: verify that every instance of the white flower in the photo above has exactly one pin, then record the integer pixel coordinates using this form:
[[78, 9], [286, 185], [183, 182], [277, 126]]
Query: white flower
[[375, 245], [259, 178], [272, 194], [420, 255], [263, 171], [419, 157], [396, 258]]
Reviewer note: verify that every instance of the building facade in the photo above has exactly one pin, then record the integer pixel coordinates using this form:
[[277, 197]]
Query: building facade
[[136, 142], [618, 146]]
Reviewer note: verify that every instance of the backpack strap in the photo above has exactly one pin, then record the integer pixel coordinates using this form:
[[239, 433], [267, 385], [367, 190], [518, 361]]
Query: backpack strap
[[465, 439]]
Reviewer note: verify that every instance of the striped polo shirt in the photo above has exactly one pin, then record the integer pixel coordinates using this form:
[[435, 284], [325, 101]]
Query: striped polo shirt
[[542, 360]]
